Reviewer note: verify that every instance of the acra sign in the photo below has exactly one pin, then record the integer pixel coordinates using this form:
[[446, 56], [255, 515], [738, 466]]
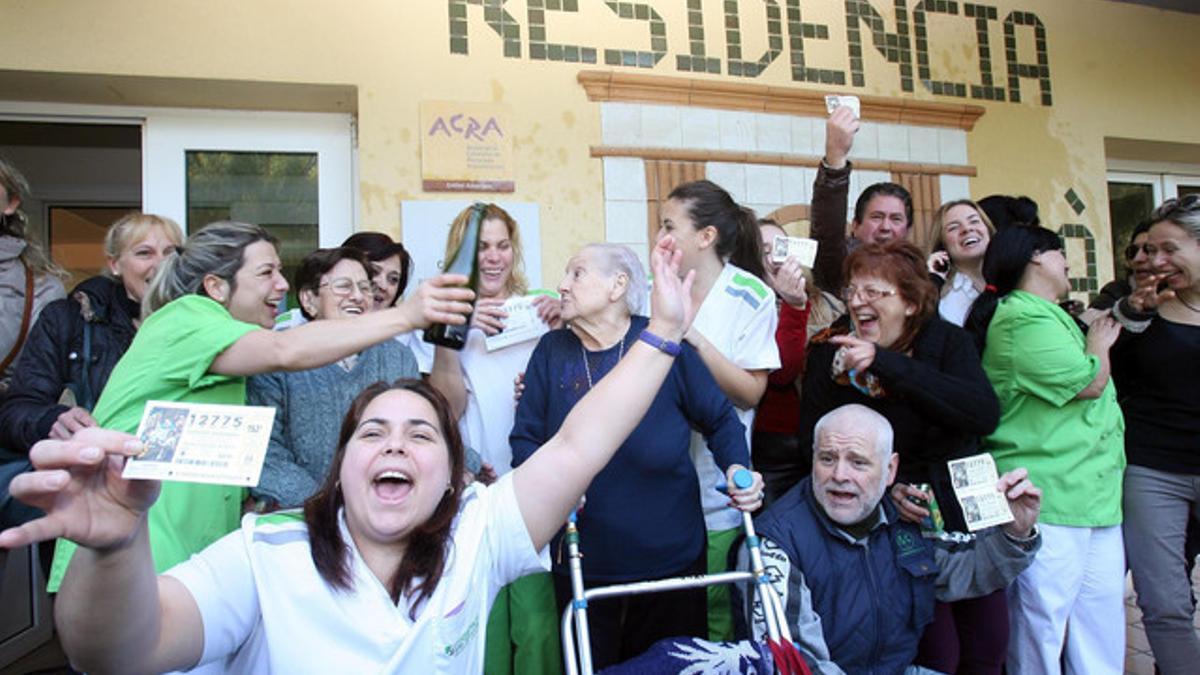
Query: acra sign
[[786, 32]]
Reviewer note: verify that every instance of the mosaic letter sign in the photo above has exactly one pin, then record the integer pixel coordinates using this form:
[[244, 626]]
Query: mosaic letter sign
[[466, 147], [901, 31]]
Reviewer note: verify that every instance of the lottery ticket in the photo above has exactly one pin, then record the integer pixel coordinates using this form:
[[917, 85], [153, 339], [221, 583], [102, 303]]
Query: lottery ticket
[[523, 323], [834, 102], [783, 248], [202, 443], [974, 479]]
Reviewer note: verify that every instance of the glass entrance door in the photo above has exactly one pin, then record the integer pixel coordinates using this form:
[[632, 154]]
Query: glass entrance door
[[292, 173], [1132, 197]]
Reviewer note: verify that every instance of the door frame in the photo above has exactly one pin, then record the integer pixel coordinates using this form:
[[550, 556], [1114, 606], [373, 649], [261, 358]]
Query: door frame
[[167, 133]]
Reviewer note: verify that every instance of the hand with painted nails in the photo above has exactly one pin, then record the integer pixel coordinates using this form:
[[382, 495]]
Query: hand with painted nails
[[78, 484], [747, 499]]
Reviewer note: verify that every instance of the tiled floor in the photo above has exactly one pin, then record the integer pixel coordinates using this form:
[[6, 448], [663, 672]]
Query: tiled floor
[[1138, 659]]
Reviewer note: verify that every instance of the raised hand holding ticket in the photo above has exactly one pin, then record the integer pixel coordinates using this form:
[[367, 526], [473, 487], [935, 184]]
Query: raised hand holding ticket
[[852, 102], [783, 248], [202, 443], [974, 479]]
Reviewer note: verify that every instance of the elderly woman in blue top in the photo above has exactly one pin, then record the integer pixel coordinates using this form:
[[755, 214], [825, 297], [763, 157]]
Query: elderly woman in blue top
[[642, 518], [392, 569], [334, 283]]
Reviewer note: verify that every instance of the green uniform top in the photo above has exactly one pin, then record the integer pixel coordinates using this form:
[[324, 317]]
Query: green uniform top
[[1073, 448], [169, 361]]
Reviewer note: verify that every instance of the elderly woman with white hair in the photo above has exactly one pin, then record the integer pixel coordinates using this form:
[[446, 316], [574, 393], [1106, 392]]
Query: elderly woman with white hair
[[642, 518]]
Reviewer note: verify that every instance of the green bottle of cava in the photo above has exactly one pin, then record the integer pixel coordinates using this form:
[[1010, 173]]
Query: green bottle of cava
[[466, 263]]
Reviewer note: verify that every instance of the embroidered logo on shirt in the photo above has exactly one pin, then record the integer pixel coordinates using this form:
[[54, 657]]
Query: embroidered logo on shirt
[[906, 544], [456, 648]]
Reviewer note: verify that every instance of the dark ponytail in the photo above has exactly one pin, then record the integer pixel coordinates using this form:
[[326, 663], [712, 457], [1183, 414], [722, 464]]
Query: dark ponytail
[[738, 239], [1008, 254]]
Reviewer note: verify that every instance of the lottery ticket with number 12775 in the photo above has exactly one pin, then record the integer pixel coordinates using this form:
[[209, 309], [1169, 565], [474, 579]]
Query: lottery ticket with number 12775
[[202, 443]]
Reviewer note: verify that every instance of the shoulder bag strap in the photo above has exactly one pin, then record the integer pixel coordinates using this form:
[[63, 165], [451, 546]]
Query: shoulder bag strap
[[25, 316]]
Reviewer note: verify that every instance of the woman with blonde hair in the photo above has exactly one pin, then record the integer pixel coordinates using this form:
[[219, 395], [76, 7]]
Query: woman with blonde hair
[[521, 630], [29, 280], [961, 233], [78, 340]]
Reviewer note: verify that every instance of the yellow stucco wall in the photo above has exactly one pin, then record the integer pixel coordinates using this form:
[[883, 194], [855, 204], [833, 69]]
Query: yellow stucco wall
[[1116, 70]]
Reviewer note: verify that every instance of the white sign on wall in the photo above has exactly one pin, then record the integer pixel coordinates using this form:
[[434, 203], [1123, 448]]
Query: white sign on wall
[[426, 223]]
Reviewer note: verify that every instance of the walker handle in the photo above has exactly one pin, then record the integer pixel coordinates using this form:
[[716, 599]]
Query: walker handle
[[742, 478]]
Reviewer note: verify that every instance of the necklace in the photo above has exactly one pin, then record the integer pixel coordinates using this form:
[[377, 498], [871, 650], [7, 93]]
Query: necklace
[[587, 368], [1179, 297]]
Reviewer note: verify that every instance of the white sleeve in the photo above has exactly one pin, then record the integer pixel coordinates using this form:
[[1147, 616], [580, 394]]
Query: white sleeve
[[756, 348], [507, 538], [415, 340], [222, 584]]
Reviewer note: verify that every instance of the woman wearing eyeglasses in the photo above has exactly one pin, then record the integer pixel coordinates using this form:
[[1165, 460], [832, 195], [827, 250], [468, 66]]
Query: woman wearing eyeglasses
[[1156, 365], [332, 283], [923, 374]]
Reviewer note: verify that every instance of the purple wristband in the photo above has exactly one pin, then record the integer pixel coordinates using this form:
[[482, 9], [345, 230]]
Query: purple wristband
[[662, 344]]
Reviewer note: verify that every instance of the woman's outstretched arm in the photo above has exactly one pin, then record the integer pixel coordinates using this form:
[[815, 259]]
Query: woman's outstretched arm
[[113, 613]]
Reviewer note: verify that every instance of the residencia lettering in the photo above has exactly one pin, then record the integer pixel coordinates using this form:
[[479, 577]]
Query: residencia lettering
[[906, 45]]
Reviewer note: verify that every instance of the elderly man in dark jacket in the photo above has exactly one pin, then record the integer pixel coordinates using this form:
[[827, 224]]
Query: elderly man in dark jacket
[[857, 584]]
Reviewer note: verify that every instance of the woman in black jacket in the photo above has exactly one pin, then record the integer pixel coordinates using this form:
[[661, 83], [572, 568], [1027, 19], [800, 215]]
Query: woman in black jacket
[[78, 340], [922, 373]]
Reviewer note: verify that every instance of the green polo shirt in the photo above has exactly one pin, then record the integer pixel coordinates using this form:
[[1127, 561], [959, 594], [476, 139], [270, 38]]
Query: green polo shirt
[[1073, 449], [169, 360]]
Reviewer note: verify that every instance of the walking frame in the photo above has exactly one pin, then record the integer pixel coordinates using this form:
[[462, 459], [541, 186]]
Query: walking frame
[[575, 619]]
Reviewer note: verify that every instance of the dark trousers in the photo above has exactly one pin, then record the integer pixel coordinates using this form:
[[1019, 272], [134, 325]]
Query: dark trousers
[[777, 457], [625, 626], [968, 637]]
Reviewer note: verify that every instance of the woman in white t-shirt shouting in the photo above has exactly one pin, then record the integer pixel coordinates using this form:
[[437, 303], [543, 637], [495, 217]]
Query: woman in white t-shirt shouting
[[392, 567], [734, 331]]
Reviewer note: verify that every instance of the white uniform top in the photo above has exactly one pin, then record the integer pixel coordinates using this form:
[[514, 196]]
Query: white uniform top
[[424, 351], [488, 419], [738, 317], [488, 376], [265, 608], [957, 301]]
